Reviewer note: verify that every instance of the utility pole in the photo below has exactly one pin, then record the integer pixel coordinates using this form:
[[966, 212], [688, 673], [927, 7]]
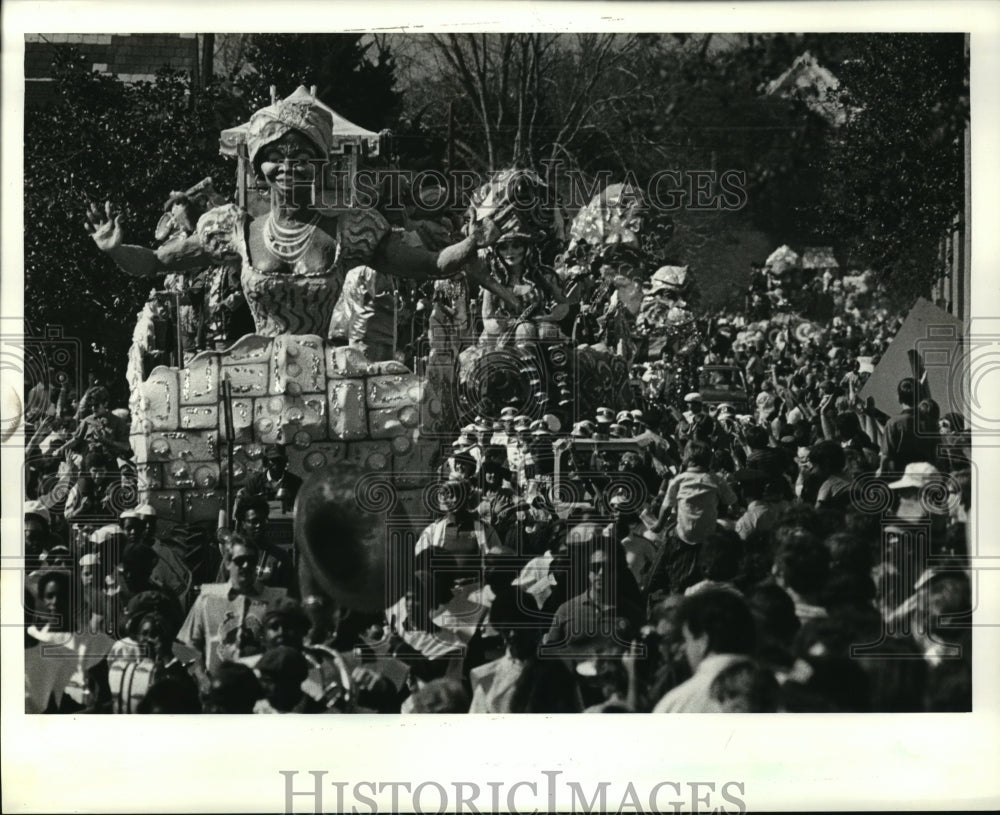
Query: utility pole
[[207, 59], [451, 136]]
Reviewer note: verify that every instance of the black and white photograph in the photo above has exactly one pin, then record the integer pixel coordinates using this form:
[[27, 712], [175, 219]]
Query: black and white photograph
[[501, 368]]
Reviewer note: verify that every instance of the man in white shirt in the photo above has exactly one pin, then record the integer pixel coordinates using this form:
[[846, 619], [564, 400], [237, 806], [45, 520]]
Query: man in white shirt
[[718, 630], [226, 621]]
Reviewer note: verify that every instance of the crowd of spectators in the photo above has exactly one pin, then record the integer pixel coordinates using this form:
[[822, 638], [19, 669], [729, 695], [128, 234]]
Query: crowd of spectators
[[793, 549]]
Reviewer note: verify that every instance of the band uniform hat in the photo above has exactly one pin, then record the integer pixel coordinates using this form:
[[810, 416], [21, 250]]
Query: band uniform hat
[[605, 415], [553, 422], [694, 396]]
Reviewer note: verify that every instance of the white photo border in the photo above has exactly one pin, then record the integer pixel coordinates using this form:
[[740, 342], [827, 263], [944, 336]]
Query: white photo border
[[228, 764]]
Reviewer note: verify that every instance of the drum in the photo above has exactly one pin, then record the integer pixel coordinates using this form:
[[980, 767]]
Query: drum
[[130, 679]]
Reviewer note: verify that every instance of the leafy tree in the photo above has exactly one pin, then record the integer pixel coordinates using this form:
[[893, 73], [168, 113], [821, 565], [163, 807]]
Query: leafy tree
[[354, 74], [894, 181], [103, 139]]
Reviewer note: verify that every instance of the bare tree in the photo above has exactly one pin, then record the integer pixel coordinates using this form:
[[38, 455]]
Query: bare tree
[[531, 94]]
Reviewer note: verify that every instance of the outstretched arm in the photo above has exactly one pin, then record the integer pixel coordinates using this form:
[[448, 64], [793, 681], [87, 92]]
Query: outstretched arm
[[139, 261], [398, 259]]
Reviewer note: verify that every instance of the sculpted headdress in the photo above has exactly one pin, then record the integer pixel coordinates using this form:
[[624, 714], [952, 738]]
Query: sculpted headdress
[[298, 112]]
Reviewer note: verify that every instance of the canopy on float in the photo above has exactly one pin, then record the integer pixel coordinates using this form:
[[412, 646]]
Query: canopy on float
[[347, 136], [781, 260]]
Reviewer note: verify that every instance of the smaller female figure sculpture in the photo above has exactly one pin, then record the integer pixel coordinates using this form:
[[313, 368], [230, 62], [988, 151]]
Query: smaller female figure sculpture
[[530, 321]]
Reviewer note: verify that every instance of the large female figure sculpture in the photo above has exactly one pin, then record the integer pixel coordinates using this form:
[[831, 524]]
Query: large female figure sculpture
[[295, 258]]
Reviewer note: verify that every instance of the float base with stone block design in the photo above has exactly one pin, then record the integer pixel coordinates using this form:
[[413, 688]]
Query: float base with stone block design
[[325, 403]]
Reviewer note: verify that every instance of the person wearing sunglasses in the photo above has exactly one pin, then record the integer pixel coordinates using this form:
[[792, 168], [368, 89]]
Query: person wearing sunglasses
[[226, 621]]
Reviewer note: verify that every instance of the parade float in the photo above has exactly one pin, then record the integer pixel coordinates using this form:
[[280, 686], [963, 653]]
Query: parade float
[[200, 429], [530, 358]]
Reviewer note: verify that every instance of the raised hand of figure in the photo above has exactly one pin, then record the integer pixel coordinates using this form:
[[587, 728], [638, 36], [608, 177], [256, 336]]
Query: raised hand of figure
[[105, 227], [485, 233]]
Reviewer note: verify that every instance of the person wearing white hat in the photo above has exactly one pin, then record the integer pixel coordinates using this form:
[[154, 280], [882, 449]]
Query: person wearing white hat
[[517, 440], [36, 512], [105, 546], [147, 514], [605, 416], [693, 418], [464, 445], [481, 431], [499, 435], [539, 428], [917, 475], [105, 534], [38, 539], [916, 493], [134, 525]]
